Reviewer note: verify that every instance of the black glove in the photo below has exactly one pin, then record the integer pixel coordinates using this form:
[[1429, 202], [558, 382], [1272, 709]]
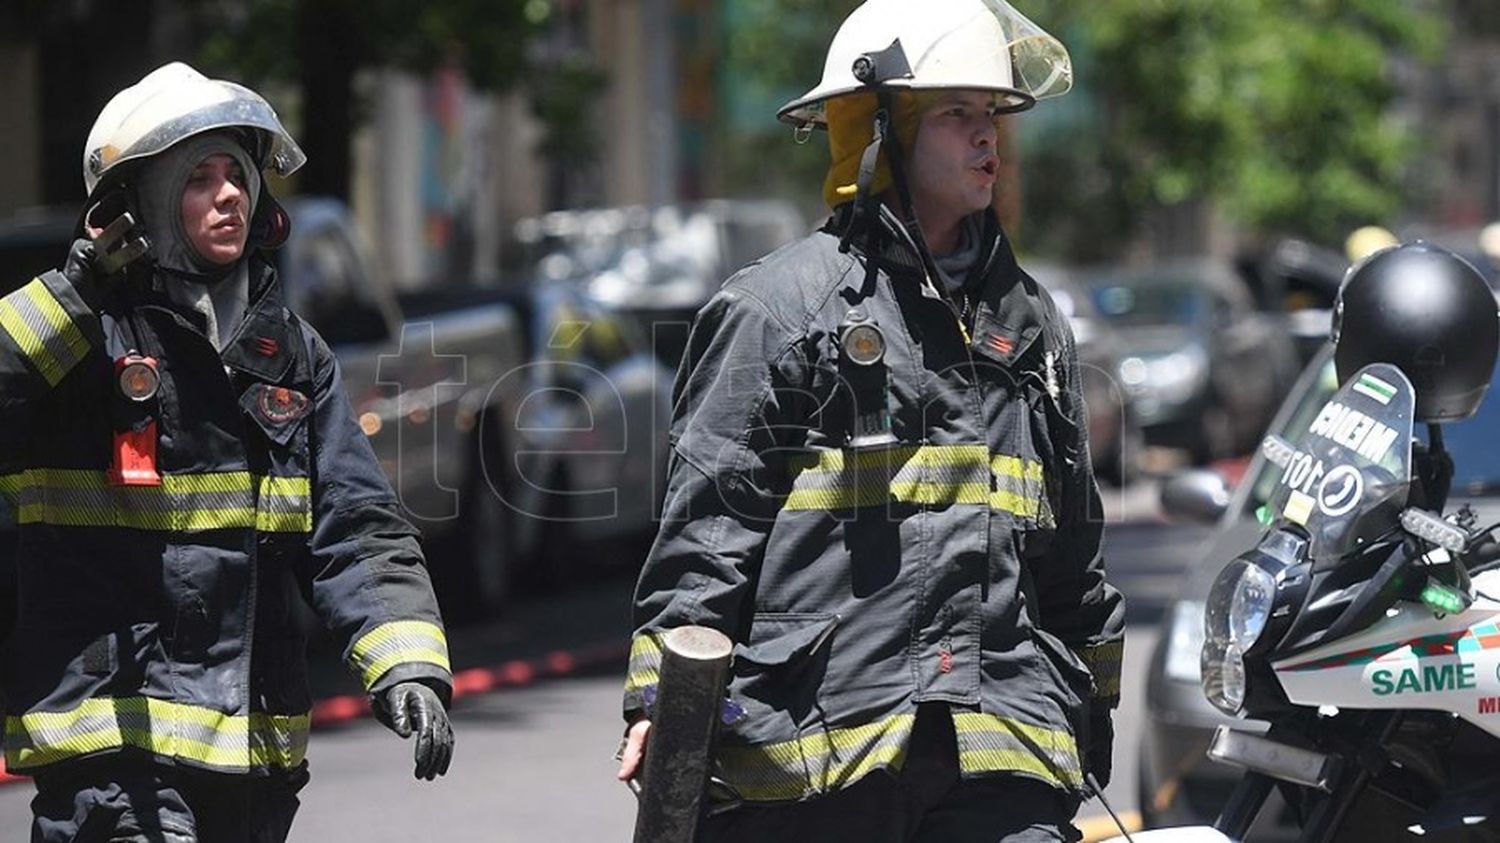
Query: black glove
[[1101, 744], [80, 270], [413, 707]]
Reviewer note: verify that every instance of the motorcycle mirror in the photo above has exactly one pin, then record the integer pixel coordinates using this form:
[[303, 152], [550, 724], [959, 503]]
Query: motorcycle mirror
[[1199, 496]]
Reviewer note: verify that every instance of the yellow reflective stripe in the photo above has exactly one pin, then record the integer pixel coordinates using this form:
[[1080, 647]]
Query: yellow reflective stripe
[[644, 669], [284, 505], [213, 738], [398, 642], [1007, 466], [1014, 504], [926, 475], [817, 763], [58, 319], [30, 344], [43, 331], [223, 482], [182, 503], [192, 521], [989, 743], [1104, 662]]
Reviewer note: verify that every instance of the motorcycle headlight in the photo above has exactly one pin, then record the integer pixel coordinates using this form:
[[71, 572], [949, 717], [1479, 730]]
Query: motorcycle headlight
[[1239, 604]]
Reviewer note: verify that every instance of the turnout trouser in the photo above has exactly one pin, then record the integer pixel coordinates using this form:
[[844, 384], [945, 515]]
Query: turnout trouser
[[130, 800], [926, 802]]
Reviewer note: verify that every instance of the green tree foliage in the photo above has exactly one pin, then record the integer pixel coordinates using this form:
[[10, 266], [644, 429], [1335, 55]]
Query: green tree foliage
[[773, 52], [322, 44], [1277, 110]]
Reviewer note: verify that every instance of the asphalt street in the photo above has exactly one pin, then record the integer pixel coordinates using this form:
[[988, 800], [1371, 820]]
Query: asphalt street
[[533, 763]]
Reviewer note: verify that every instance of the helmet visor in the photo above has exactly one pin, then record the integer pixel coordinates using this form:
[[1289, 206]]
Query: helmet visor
[[193, 109]]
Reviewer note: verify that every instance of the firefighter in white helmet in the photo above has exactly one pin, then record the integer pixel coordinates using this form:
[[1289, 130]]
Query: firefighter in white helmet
[[880, 484], [186, 468]]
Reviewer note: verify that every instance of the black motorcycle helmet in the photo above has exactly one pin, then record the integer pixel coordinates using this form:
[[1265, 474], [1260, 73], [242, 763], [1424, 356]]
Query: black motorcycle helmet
[[1427, 311]]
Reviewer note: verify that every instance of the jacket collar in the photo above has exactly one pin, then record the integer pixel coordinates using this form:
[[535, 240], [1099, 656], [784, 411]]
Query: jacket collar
[[1008, 314], [1007, 317], [262, 346]]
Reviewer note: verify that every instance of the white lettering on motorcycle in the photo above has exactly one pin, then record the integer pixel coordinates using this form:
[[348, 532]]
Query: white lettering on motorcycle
[[1354, 430]]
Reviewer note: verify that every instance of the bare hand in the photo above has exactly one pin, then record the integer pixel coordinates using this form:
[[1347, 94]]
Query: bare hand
[[635, 750]]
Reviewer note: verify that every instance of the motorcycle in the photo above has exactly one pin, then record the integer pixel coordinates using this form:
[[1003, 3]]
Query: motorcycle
[[1365, 629]]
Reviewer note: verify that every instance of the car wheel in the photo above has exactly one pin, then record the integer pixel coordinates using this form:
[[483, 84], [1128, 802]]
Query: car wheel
[[490, 552], [557, 559]]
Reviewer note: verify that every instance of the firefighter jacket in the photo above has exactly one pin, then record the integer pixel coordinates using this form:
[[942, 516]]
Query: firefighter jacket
[[160, 619], [956, 563]]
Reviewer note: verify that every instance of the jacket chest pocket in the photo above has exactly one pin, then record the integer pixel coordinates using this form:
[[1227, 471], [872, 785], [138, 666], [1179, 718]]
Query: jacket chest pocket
[[281, 458]]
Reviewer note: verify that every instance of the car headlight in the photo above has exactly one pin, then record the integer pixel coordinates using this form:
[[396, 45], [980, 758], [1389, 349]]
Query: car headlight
[[1177, 377], [1185, 642]]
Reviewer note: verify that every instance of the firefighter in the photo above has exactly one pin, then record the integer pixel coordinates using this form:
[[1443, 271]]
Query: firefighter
[[185, 468], [880, 485]]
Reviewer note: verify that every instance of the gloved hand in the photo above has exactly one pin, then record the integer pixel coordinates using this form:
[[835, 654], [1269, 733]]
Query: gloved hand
[[1101, 745], [81, 271], [413, 707]]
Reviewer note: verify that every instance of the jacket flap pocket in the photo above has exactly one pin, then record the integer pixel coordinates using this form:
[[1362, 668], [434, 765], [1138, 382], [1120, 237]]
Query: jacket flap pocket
[[778, 639], [277, 410]]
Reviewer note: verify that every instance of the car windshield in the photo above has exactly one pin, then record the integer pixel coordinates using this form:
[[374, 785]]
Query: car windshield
[[1476, 461], [1158, 302]]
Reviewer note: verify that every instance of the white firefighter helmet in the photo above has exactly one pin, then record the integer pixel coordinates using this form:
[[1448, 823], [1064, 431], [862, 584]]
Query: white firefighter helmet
[[174, 102], [977, 45]]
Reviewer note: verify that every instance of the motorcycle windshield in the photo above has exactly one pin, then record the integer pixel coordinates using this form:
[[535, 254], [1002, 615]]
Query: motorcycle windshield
[[1346, 479]]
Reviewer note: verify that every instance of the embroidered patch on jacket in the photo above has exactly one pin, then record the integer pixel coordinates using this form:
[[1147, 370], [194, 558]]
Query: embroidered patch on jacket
[[278, 404], [1001, 344]]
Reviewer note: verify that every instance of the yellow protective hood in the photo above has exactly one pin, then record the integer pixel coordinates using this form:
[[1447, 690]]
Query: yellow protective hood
[[850, 122]]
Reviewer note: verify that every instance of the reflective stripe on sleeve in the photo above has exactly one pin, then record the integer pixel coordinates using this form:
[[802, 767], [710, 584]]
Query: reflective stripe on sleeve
[[229, 742], [37, 323], [1104, 661], [644, 669], [395, 643]]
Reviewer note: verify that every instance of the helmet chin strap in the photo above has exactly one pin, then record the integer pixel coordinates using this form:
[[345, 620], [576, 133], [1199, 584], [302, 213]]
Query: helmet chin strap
[[882, 137]]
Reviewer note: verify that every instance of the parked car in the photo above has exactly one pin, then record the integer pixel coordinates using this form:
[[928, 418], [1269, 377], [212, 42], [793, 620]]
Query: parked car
[[1178, 784], [422, 382], [1116, 441], [1299, 280], [591, 433], [658, 266], [1204, 368]]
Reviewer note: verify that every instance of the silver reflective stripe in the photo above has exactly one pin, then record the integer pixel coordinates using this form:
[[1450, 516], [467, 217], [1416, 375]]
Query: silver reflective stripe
[[231, 742], [989, 743], [284, 505], [644, 669], [42, 329], [182, 503], [817, 763], [398, 642]]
